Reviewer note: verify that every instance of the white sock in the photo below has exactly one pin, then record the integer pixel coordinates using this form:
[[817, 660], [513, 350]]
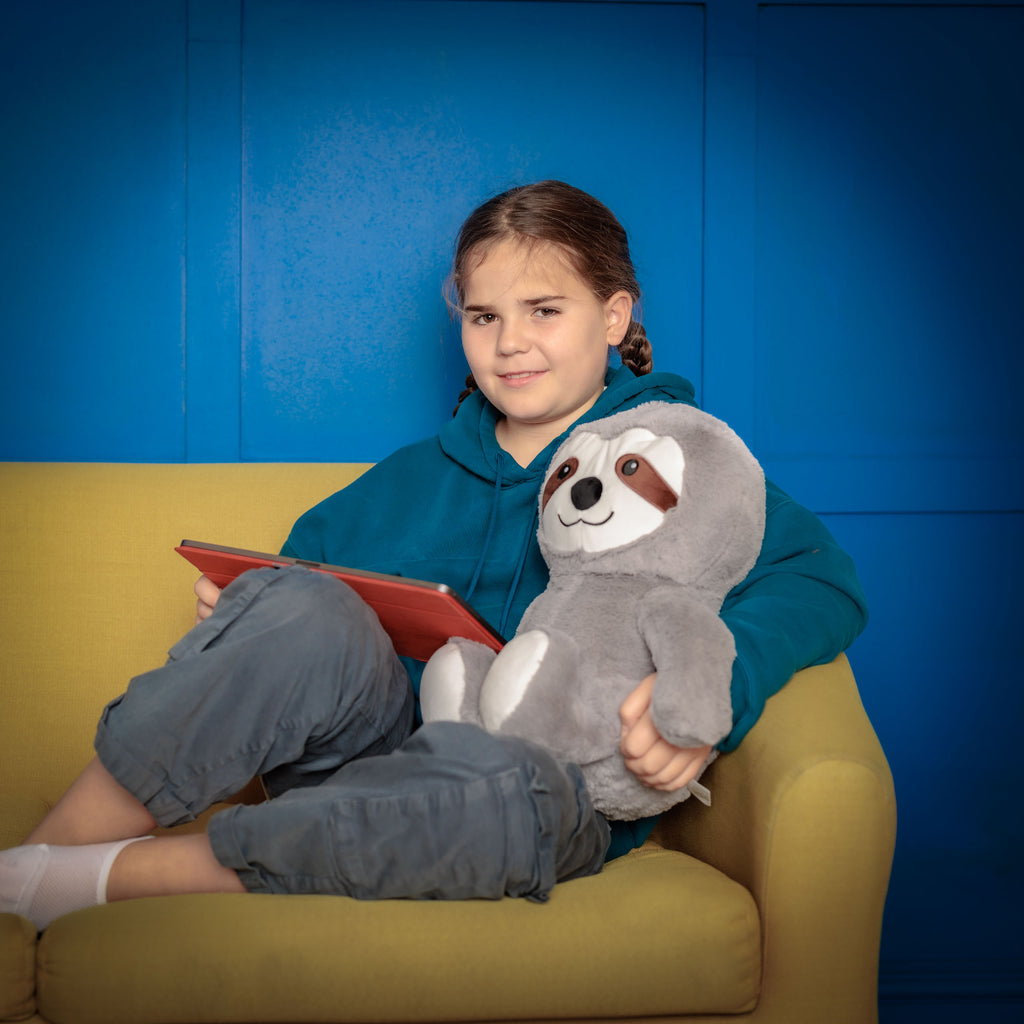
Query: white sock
[[43, 882]]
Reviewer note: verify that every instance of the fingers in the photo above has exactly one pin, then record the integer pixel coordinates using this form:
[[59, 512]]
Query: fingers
[[639, 738], [666, 767], [647, 754], [679, 766], [207, 593], [656, 762], [637, 703]]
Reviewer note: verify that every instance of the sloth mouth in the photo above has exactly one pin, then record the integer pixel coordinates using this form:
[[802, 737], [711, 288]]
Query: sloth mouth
[[585, 522]]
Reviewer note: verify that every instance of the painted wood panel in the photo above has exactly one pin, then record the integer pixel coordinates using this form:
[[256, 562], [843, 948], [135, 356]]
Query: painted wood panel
[[938, 670], [92, 202], [889, 345], [371, 130]]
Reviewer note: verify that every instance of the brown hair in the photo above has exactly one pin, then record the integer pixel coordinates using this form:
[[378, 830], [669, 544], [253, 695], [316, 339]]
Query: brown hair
[[584, 228]]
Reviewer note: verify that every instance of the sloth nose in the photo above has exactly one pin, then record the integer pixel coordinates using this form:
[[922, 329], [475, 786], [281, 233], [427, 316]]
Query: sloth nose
[[586, 493]]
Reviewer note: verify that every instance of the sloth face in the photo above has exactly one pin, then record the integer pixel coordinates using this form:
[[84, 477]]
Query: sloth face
[[608, 492]]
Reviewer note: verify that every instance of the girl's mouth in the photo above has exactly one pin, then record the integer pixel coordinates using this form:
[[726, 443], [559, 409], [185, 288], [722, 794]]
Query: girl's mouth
[[519, 379]]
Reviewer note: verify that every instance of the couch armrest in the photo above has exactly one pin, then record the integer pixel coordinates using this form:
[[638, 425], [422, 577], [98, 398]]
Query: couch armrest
[[804, 816]]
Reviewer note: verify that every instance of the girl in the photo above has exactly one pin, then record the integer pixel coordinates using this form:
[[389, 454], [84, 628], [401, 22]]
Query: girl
[[286, 675]]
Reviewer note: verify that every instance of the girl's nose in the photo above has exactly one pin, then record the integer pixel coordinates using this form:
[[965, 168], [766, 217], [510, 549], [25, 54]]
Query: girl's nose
[[511, 339]]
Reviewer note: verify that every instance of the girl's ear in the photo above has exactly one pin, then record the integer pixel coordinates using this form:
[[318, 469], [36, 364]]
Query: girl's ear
[[618, 312]]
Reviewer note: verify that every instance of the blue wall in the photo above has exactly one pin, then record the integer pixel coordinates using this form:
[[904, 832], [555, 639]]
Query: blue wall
[[226, 226]]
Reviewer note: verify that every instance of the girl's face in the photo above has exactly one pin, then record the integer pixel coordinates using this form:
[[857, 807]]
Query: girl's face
[[536, 339]]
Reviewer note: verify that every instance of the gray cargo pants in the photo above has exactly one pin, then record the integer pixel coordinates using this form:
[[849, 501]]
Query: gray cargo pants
[[293, 679]]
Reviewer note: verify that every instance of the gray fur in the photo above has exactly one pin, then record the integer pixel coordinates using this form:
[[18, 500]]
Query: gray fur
[[610, 617]]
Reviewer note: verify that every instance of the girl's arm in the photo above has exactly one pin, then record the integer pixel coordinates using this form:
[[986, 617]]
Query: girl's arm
[[800, 605]]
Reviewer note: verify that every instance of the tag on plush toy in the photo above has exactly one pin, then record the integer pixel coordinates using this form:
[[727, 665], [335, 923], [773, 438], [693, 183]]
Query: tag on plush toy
[[702, 793]]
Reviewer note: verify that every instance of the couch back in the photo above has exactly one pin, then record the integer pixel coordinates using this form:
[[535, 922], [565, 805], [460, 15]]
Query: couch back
[[92, 591]]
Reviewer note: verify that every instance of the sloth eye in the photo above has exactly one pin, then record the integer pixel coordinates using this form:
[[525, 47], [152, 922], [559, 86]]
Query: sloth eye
[[560, 475], [643, 479]]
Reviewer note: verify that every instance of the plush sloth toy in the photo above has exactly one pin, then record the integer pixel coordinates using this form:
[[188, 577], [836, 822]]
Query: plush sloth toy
[[647, 519]]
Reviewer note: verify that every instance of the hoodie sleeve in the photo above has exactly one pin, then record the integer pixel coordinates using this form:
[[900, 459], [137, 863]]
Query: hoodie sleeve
[[800, 605], [344, 528]]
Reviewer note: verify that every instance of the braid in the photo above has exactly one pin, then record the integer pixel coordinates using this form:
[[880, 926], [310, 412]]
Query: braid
[[635, 350], [469, 389]]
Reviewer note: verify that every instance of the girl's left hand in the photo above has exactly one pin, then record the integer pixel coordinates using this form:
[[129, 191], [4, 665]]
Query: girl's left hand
[[648, 755]]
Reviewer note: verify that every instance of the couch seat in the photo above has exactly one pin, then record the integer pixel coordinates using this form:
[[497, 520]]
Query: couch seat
[[657, 933]]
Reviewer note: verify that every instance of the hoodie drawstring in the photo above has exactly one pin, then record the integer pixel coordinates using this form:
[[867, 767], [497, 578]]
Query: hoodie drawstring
[[523, 553], [499, 476], [524, 550]]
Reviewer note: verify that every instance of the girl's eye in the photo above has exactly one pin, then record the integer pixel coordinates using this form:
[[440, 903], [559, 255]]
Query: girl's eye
[[484, 318], [545, 312]]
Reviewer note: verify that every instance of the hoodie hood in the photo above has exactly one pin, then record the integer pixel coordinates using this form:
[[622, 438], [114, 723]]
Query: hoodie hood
[[469, 438], [457, 509]]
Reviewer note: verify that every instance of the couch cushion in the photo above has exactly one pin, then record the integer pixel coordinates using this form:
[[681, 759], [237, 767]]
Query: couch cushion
[[656, 933], [17, 967]]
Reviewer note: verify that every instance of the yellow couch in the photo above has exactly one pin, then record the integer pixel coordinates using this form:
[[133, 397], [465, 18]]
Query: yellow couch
[[765, 907]]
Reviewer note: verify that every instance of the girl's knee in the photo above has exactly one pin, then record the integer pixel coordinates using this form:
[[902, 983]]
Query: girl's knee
[[309, 614], [296, 593], [540, 805]]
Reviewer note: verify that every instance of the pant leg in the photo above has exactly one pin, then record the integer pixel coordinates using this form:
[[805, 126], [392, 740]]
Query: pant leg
[[455, 813], [289, 678]]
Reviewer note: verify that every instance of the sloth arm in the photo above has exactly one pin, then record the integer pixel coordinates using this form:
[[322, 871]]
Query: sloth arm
[[693, 652]]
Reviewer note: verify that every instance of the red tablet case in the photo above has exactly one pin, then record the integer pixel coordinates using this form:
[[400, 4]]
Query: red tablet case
[[418, 616]]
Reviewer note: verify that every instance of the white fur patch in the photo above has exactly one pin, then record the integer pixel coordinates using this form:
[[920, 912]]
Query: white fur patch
[[620, 516], [510, 677], [443, 685]]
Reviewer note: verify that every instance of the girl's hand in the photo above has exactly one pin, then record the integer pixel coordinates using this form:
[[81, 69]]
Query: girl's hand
[[207, 593], [648, 755]]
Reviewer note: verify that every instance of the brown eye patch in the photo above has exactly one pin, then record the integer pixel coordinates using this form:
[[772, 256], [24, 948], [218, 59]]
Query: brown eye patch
[[565, 471], [640, 476]]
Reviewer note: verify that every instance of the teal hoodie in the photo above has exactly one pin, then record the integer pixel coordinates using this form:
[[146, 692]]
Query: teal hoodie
[[457, 509]]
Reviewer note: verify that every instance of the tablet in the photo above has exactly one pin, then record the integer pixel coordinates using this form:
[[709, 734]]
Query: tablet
[[419, 616]]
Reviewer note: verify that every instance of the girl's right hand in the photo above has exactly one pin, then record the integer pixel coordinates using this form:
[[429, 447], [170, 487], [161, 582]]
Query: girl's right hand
[[207, 594]]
